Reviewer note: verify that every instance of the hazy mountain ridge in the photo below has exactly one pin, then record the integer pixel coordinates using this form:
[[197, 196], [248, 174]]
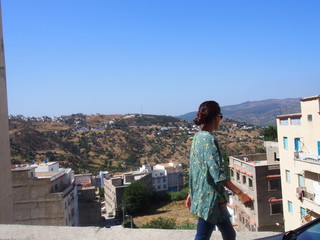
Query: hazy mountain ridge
[[261, 113]]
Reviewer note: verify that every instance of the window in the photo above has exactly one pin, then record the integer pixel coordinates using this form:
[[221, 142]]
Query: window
[[158, 180], [296, 121], [288, 178], [274, 184], [297, 144], [250, 182], [164, 180], [309, 117], [244, 179], [290, 208], [238, 176], [318, 148], [284, 121], [231, 173], [303, 212], [275, 208], [285, 143], [301, 180]]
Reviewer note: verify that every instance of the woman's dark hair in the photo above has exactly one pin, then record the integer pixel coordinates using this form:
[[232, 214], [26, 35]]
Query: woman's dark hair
[[207, 111]]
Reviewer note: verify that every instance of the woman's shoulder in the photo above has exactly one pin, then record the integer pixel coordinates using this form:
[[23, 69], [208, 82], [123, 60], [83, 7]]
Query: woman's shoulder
[[205, 135]]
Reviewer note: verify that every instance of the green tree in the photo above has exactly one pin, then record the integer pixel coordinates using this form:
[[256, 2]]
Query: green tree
[[270, 133], [136, 198]]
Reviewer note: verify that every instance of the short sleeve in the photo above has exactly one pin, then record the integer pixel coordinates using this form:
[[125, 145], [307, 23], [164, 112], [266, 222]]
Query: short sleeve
[[214, 162]]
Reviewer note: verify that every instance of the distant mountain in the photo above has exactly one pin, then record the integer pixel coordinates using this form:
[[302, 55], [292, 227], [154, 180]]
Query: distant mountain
[[261, 113]]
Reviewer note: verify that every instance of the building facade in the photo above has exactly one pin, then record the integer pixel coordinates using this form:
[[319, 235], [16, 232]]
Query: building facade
[[88, 200], [44, 198], [6, 206], [114, 188], [165, 176], [299, 149], [259, 178]]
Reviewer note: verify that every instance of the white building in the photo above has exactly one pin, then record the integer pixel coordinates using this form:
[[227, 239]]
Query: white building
[[165, 176], [299, 149]]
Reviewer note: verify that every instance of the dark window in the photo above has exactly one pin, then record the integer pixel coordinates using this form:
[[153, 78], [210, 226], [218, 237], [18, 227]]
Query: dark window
[[244, 179], [276, 208], [309, 117], [238, 176], [250, 182], [274, 184]]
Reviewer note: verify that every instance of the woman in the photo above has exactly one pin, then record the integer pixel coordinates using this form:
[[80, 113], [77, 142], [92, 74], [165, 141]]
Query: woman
[[207, 195]]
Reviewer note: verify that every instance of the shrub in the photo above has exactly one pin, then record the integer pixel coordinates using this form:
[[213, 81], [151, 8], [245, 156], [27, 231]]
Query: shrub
[[181, 195], [161, 223], [187, 225], [162, 196]]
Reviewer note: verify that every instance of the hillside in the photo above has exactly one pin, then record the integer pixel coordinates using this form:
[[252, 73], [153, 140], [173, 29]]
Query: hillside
[[119, 142], [261, 113]]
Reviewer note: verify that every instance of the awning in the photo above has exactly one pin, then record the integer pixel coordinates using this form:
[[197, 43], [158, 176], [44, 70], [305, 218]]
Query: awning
[[275, 200], [252, 221], [273, 176], [252, 198]]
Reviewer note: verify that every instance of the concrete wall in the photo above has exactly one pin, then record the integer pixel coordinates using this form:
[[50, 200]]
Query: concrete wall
[[6, 206], [35, 204], [266, 220]]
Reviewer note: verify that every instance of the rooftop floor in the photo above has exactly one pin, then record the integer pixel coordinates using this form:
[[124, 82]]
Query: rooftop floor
[[28, 232]]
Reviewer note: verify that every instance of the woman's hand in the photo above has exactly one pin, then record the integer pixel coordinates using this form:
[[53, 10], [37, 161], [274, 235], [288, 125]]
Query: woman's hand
[[188, 202]]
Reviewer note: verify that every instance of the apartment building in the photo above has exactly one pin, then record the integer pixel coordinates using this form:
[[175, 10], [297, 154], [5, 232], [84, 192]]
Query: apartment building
[[6, 206], [258, 175], [114, 188], [165, 176], [88, 200], [44, 197], [299, 149]]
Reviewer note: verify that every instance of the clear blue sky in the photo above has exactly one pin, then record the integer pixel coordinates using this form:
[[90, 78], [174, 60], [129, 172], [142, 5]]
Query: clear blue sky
[[157, 56]]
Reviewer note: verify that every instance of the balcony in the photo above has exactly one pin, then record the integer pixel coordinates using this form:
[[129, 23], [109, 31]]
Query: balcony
[[302, 193], [307, 157]]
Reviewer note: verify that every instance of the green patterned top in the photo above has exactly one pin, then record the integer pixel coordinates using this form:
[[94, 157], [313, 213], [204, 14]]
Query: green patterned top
[[206, 173]]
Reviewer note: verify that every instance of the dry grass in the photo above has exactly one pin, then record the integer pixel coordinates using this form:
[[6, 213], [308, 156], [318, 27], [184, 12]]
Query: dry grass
[[175, 210]]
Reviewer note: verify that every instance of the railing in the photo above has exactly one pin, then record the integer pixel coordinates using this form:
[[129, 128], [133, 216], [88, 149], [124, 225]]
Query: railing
[[309, 195], [312, 158], [303, 193]]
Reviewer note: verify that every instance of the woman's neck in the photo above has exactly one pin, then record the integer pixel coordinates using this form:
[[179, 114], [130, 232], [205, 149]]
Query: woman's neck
[[208, 128]]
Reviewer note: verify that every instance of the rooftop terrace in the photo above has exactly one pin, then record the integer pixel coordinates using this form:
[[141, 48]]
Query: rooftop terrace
[[25, 232]]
